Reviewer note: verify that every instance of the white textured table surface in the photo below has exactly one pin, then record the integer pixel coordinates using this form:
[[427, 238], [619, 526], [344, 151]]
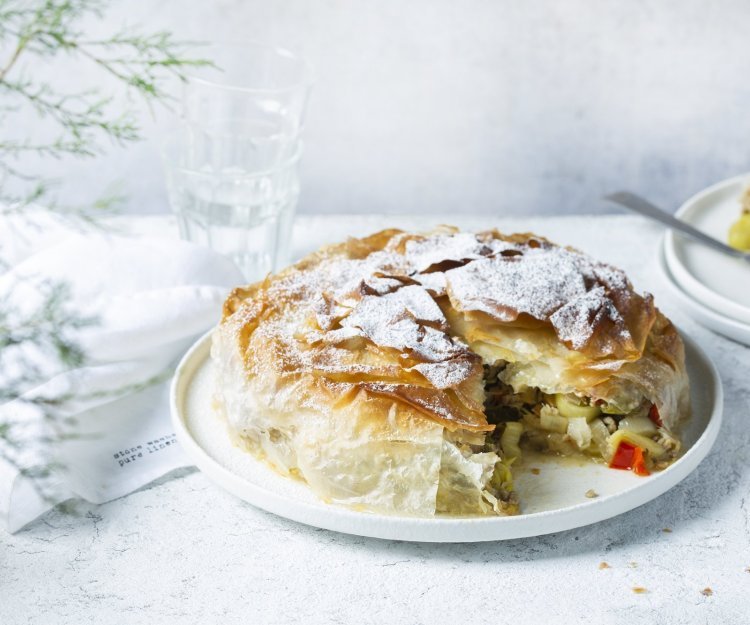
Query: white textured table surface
[[183, 551]]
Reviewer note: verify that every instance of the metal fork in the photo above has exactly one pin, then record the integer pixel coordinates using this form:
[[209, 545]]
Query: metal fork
[[637, 204]]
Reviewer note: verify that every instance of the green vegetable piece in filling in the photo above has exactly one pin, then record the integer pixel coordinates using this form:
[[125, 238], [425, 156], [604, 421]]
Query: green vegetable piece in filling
[[509, 441], [571, 406]]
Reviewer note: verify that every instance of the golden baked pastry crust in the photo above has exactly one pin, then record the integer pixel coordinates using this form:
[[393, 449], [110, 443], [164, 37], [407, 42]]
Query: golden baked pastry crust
[[394, 332]]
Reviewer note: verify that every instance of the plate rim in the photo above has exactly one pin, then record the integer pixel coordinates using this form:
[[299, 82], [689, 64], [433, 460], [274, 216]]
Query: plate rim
[[442, 529], [703, 314], [680, 273]]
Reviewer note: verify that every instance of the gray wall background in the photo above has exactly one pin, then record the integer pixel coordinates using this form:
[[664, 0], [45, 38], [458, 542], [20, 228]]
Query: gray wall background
[[479, 106]]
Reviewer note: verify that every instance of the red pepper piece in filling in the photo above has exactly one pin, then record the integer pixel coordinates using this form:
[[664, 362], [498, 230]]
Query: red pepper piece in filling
[[629, 456], [654, 415], [639, 464]]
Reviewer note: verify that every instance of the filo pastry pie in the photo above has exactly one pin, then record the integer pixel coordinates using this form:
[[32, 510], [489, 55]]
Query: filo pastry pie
[[406, 373]]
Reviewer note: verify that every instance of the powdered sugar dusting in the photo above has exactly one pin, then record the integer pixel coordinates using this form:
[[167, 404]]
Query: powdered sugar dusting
[[447, 374], [433, 282], [575, 321], [410, 321], [533, 283], [389, 298], [436, 249], [548, 283]]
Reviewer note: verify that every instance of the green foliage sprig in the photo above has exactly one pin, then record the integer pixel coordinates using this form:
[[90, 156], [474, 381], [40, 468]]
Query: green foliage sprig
[[84, 121], [32, 423], [82, 124]]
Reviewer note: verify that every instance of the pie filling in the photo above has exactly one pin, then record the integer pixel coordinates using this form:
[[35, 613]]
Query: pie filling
[[570, 425]]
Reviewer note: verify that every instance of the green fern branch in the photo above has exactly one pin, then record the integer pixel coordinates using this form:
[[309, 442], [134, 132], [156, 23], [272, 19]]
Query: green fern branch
[[143, 63], [78, 124]]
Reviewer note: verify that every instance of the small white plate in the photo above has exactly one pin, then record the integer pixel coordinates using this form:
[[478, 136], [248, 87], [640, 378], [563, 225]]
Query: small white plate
[[704, 315], [552, 501], [714, 279]]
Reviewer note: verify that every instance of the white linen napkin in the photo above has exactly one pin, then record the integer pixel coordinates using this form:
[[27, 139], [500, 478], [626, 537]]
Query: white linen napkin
[[152, 298]]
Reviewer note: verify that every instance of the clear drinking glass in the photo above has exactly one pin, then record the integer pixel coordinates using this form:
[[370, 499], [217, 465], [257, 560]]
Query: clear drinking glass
[[245, 212], [232, 165]]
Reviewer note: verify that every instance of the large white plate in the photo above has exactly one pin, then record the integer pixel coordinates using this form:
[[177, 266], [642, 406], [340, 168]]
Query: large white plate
[[552, 501], [703, 314], [714, 279]]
